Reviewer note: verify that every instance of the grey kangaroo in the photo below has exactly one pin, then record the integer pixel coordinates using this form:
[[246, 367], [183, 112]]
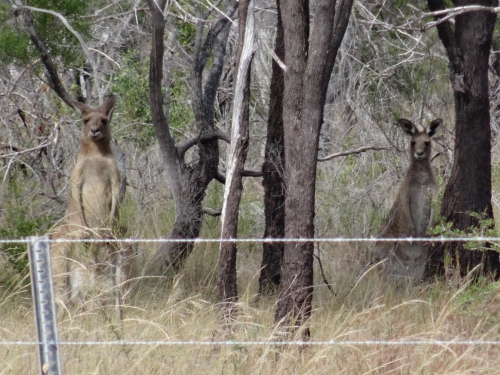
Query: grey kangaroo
[[92, 212], [412, 213]]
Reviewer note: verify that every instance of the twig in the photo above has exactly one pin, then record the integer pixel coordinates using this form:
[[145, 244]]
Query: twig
[[327, 283], [25, 151]]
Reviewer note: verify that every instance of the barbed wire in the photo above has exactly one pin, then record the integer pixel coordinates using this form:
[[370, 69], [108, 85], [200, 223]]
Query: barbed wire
[[261, 240], [259, 343]]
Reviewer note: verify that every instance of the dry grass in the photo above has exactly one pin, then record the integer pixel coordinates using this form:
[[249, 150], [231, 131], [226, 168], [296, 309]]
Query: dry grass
[[184, 309], [174, 311]]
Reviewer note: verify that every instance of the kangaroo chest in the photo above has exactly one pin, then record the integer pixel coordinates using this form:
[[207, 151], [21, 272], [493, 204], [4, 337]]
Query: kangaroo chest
[[420, 202], [96, 189]]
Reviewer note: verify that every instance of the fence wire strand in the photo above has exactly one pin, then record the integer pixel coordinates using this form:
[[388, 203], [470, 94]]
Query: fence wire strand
[[262, 240], [264, 343]]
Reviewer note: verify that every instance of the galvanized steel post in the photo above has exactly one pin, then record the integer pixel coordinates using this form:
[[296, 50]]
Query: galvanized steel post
[[42, 288]]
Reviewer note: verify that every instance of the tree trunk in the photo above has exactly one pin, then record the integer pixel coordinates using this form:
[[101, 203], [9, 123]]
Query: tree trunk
[[309, 63], [228, 294], [188, 183], [273, 171], [468, 192]]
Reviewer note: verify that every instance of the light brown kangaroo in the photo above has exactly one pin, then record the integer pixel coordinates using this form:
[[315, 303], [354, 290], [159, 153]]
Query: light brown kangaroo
[[412, 213], [92, 212]]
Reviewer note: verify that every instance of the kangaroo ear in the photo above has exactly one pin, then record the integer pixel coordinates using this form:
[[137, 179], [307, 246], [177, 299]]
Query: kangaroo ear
[[407, 126], [82, 107], [108, 107], [433, 127]]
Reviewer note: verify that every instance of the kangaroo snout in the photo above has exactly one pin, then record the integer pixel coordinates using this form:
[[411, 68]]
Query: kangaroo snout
[[419, 154], [94, 132]]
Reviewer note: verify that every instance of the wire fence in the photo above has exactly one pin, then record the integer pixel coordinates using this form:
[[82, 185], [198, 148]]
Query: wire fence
[[263, 240], [262, 343], [420, 342]]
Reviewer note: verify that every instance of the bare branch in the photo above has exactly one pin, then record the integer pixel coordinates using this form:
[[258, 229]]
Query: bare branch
[[436, 156], [182, 148], [215, 7], [118, 15], [214, 32], [275, 57], [246, 173], [351, 152], [452, 13], [441, 15], [211, 211], [20, 151], [221, 178], [325, 280]]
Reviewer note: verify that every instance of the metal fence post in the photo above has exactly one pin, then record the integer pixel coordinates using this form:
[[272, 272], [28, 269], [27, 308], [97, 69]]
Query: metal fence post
[[42, 288]]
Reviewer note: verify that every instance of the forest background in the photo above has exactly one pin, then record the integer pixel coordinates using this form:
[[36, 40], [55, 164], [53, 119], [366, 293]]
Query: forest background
[[386, 68]]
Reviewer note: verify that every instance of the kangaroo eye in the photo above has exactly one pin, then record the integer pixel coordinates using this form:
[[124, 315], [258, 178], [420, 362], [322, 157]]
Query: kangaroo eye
[[427, 143], [413, 143]]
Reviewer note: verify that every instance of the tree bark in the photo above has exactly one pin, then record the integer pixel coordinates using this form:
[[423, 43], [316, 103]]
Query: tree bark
[[309, 63], [228, 293], [187, 183], [273, 171], [468, 190]]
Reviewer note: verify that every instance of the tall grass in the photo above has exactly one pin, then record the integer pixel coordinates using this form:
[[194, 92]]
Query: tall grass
[[373, 312]]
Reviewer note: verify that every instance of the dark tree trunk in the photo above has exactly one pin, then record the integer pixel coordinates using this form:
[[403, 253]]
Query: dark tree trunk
[[188, 183], [273, 171], [469, 189], [309, 63], [228, 293]]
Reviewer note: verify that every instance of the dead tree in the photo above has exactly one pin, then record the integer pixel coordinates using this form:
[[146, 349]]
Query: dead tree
[[188, 182], [226, 282]]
